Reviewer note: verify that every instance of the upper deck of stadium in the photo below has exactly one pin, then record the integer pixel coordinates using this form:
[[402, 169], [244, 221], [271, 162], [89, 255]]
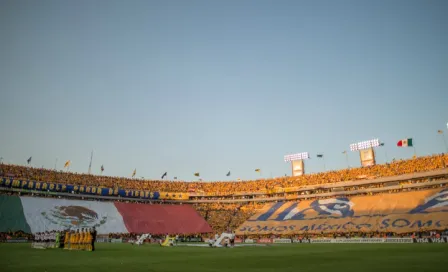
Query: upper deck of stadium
[[420, 167]]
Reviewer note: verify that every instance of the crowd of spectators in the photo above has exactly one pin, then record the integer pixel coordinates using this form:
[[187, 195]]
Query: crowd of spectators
[[349, 235], [15, 235], [224, 216], [396, 167], [229, 216]]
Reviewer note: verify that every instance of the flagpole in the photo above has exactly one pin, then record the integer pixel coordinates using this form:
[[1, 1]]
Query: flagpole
[[346, 158], [56, 162], [90, 164], [444, 141], [385, 152], [321, 156]]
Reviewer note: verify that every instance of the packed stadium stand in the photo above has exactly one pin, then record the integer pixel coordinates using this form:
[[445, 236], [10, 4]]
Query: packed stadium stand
[[398, 167], [214, 207]]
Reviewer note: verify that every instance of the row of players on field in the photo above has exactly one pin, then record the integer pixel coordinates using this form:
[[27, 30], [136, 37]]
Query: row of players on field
[[81, 239]]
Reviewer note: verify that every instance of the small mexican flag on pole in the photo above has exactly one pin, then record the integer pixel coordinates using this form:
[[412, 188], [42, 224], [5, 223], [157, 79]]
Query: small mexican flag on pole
[[405, 143]]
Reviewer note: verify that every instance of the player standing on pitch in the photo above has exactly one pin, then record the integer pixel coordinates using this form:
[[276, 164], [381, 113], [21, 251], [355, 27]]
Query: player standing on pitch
[[93, 233]]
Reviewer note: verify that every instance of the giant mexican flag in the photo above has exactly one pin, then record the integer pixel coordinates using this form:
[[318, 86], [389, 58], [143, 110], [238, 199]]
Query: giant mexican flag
[[31, 214]]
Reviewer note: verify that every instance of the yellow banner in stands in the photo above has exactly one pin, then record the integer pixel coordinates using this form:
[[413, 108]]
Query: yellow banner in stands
[[174, 196], [399, 212], [291, 189]]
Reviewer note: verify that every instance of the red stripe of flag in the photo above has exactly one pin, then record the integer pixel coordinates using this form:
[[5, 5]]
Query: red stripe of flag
[[162, 219]]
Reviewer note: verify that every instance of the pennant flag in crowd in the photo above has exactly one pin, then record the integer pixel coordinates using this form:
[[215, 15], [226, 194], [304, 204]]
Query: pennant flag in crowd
[[258, 170], [320, 155], [196, 174], [102, 168], [134, 173], [405, 142], [228, 174], [164, 175], [67, 164], [29, 160], [439, 131]]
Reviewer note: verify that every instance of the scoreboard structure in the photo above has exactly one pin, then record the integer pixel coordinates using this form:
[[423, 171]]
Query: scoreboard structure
[[366, 151], [297, 162]]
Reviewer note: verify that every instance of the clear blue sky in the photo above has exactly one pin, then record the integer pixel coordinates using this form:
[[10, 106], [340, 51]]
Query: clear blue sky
[[212, 86]]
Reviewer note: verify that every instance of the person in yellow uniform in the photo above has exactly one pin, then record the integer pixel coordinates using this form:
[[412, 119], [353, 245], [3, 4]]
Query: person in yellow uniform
[[70, 241], [84, 239], [88, 241], [76, 240], [67, 240], [81, 239]]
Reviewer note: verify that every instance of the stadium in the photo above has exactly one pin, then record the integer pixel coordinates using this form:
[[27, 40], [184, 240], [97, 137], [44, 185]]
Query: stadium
[[384, 206], [232, 135]]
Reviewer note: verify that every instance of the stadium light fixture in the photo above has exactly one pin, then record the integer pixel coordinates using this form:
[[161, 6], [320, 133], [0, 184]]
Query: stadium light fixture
[[297, 156], [365, 145]]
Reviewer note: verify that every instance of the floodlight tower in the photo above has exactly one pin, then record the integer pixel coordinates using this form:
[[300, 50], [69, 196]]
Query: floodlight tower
[[366, 152], [297, 163]]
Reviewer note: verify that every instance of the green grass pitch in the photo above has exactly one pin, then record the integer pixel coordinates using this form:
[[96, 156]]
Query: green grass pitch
[[295, 257]]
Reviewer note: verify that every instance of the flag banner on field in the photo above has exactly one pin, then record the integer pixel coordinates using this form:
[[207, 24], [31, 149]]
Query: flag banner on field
[[196, 174], [405, 142], [134, 173], [257, 170], [344, 152], [29, 160], [102, 168], [228, 174], [320, 155], [88, 190], [399, 212], [31, 215], [439, 131], [67, 164]]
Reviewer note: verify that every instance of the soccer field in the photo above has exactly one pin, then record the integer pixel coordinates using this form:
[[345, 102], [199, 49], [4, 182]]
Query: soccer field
[[296, 257]]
